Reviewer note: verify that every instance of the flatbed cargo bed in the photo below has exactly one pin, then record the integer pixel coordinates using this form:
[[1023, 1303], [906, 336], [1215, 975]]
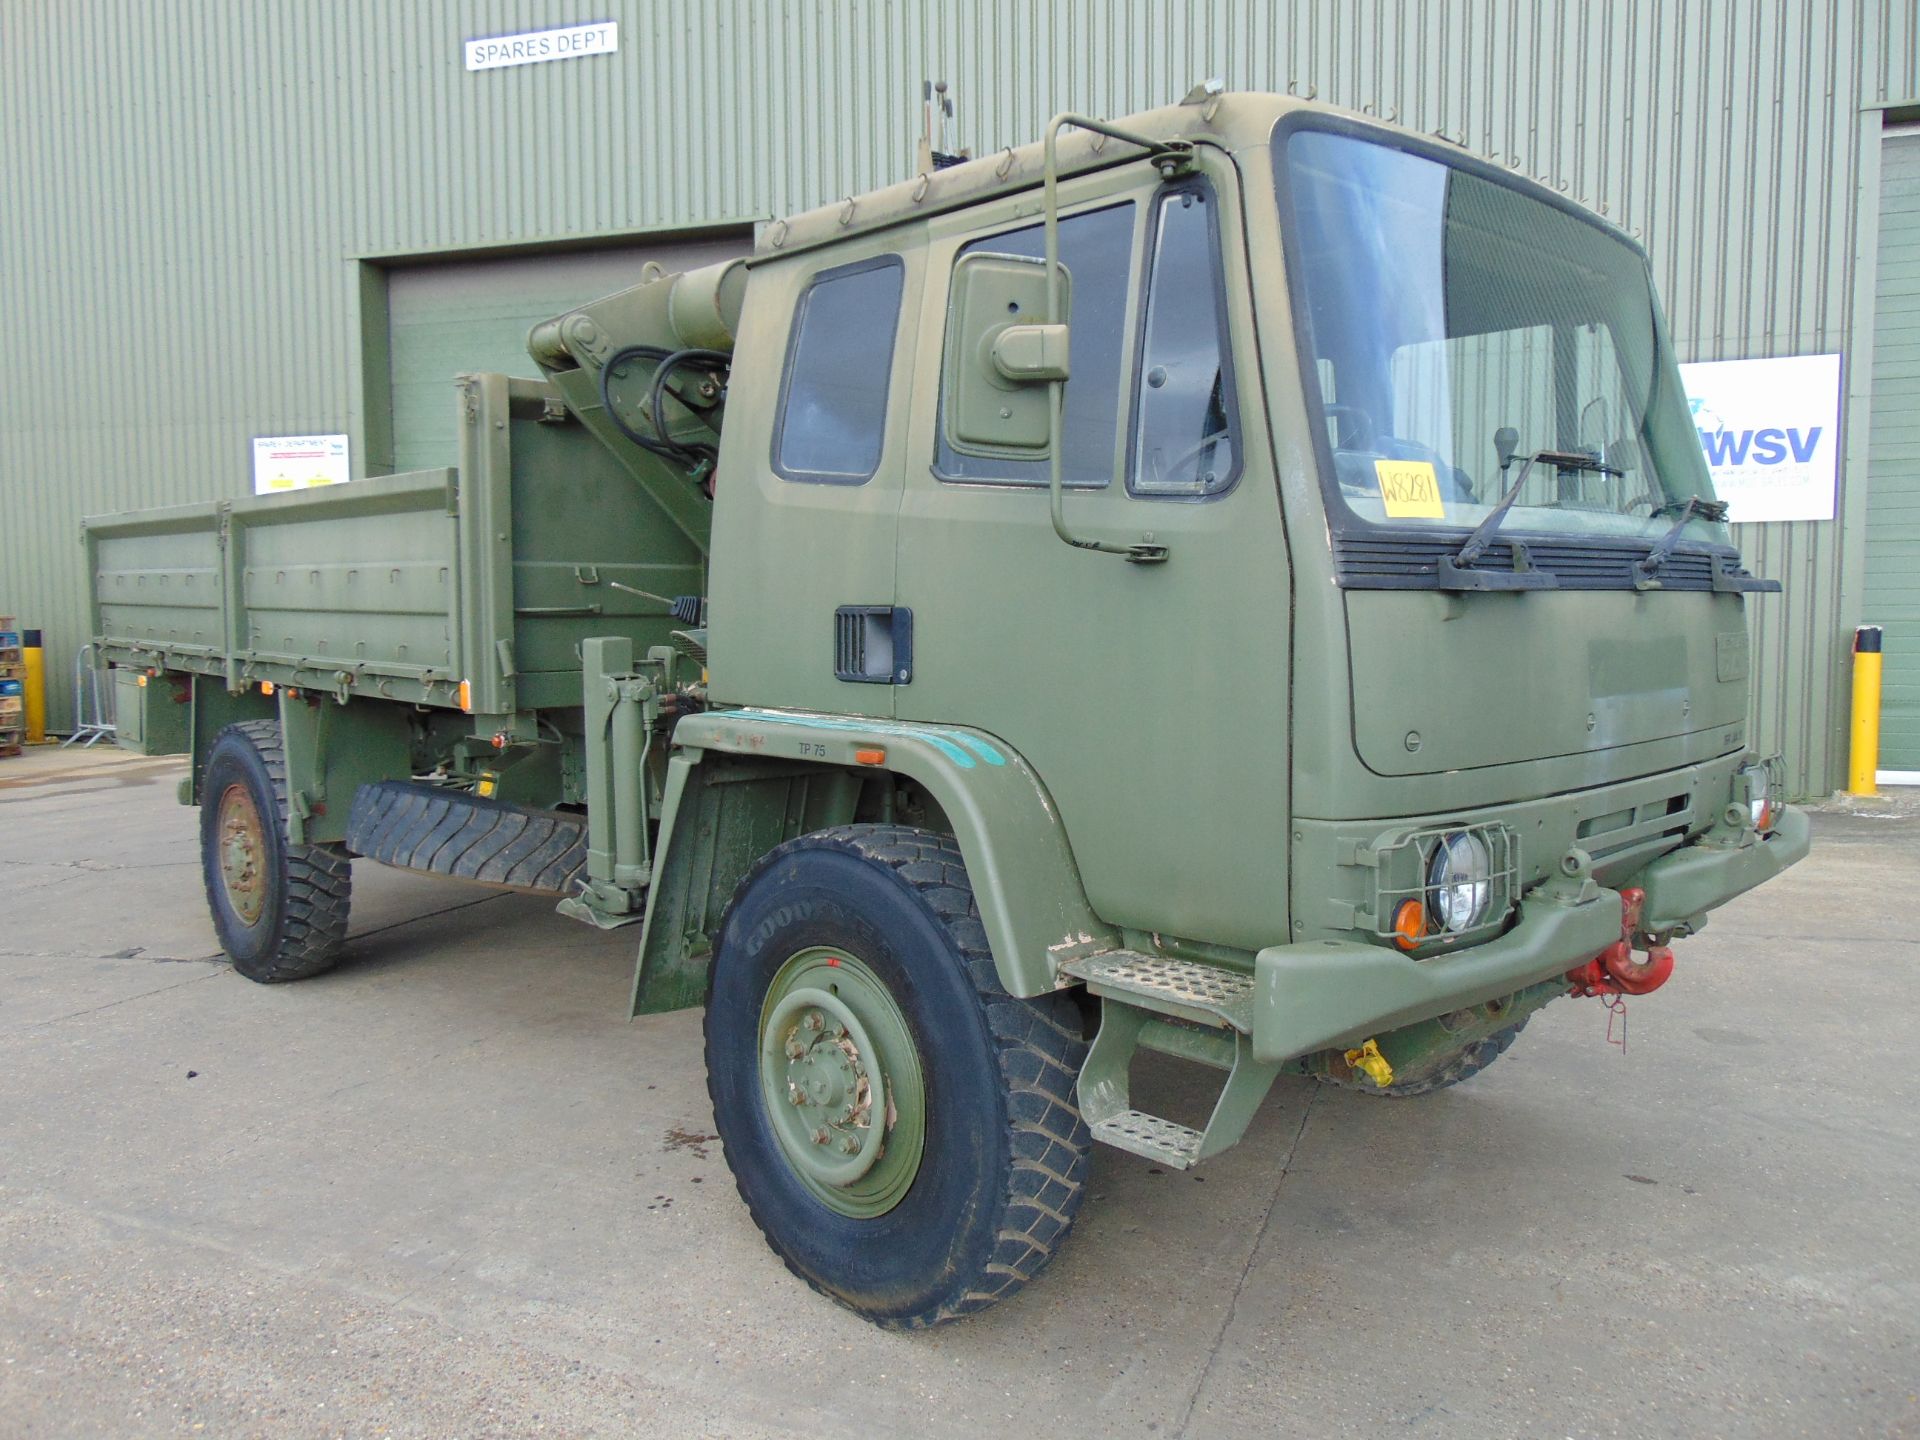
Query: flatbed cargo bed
[[406, 587]]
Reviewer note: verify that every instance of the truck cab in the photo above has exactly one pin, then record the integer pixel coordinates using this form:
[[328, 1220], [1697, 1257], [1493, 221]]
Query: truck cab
[[1392, 677], [1441, 613], [1240, 583]]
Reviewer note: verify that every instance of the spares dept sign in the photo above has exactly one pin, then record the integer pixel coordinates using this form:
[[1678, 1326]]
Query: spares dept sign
[[575, 42], [1771, 433]]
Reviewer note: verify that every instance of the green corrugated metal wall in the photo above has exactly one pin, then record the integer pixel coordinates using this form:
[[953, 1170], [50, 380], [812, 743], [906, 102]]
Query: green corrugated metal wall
[[1893, 493], [190, 189]]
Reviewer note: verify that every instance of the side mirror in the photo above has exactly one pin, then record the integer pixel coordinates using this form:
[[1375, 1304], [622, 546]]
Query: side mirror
[[1596, 424], [1001, 356], [1030, 354], [1505, 440]]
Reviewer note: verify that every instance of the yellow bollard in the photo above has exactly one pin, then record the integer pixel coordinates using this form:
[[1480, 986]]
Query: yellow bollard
[[1863, 763], [35, 687]]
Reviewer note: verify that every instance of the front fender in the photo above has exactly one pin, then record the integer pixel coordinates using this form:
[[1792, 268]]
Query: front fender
[[1031, 900]]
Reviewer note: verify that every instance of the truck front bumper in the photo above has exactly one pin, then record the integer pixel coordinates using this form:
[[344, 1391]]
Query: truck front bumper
[[1322, 994]]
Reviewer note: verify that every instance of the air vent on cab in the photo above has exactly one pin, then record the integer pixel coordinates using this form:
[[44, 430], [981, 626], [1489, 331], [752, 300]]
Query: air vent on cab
[[873, 644]]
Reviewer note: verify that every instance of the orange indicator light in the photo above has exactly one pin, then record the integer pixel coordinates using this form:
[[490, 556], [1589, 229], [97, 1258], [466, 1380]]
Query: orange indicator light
[[1409, 924], [870, 757]]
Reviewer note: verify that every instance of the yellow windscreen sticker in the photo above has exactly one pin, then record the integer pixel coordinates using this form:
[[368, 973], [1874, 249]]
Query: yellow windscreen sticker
[[1410, 489]]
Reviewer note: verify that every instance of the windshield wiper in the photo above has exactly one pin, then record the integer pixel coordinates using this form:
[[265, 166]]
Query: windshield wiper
[[1662, 551], [1454, 570]]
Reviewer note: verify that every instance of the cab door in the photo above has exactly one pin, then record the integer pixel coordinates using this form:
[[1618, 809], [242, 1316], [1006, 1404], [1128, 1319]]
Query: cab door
[[807, 493], [1151, 698]]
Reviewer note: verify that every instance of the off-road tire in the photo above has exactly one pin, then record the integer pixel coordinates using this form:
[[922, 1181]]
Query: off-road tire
[[307, 889], [1004, 1166], [1464, 1066]]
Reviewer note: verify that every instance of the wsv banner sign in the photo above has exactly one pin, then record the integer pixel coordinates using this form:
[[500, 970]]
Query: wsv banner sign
[[1771, 433]]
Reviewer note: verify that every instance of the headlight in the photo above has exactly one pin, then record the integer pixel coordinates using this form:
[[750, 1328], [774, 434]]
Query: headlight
[[1459, 882]]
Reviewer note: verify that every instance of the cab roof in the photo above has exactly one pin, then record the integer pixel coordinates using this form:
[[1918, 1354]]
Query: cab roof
[[1231, 121]]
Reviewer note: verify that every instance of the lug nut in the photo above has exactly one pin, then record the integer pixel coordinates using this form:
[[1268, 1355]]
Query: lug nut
[[795, 1094], [820, 1136], [850, 1146], [815, 1021]]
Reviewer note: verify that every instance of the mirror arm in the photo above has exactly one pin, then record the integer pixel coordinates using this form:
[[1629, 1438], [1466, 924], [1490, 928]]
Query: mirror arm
[[1174, 157]]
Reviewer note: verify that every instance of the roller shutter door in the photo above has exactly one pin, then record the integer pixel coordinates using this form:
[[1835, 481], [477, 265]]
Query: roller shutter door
[[1892, 590], [448, 317]]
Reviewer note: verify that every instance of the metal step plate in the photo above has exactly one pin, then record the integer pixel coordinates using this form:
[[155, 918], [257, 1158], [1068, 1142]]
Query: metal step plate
[[1210, 994], [1149, 1135]]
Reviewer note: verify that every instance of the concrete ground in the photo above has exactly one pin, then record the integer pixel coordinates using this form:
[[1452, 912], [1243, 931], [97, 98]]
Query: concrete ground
[[448, 1190]]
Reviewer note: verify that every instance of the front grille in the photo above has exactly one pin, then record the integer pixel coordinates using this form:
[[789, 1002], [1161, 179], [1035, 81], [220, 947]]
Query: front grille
[[1410, 561], [1605, 836]]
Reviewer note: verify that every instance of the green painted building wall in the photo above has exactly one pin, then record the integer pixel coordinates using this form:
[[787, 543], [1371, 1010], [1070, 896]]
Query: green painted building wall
[[1892, 589], [207, 209]]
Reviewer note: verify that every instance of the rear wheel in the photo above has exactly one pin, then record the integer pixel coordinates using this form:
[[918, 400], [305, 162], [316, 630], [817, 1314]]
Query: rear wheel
[[279, 909], [902, 1130]]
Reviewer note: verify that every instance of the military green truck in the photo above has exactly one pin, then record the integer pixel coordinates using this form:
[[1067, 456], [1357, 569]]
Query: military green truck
[[1240, 583]]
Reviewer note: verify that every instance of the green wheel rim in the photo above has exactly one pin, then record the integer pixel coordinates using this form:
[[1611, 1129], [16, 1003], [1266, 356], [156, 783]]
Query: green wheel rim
[[243, 854], [840, 1076]]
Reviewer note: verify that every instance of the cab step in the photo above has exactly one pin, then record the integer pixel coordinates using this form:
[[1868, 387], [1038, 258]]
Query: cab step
[[1184, 1008], [1147, 1135], [1187, 989]]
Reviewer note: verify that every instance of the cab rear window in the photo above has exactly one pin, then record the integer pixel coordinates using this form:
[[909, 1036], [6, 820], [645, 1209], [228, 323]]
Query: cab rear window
[[833, 397]]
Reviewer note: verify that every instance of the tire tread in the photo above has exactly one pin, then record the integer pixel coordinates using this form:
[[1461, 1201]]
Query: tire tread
[[319, 888], [1039, 1049]]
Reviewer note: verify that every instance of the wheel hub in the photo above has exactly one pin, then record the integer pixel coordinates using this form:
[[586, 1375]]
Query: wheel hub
[[842, 1082], [243, 853]]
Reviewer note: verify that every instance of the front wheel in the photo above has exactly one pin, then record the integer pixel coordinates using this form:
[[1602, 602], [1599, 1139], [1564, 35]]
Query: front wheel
[[902, 1130]]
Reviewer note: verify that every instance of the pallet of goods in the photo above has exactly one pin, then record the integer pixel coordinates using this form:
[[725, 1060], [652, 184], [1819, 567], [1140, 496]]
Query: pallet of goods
[[13, 719]]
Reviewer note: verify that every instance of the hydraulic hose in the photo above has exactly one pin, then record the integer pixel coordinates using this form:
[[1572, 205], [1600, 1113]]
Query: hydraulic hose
[[714, 362], [656, 445]]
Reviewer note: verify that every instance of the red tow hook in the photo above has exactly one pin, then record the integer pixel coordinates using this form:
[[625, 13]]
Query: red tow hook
[[1615, 971]]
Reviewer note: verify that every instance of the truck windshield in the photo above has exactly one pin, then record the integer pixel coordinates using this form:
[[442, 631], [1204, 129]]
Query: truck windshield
[[1457, 326]]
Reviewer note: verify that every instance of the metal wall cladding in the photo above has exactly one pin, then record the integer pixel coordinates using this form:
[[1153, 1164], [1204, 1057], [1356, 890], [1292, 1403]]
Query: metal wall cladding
[[191, 188]]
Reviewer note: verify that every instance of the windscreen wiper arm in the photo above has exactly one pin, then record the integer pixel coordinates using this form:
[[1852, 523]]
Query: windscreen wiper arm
[[1483, 532], [1683, 511], [1482, 535]]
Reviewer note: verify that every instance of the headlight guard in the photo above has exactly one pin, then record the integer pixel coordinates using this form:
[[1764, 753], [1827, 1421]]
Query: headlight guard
[[1443, 886]]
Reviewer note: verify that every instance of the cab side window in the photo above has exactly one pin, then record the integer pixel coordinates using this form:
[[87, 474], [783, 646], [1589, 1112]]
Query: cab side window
[[833, 398], [1096, 251], [1185, 436]]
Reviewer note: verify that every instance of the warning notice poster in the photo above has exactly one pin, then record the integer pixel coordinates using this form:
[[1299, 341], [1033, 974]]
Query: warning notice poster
[[298, 462]]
